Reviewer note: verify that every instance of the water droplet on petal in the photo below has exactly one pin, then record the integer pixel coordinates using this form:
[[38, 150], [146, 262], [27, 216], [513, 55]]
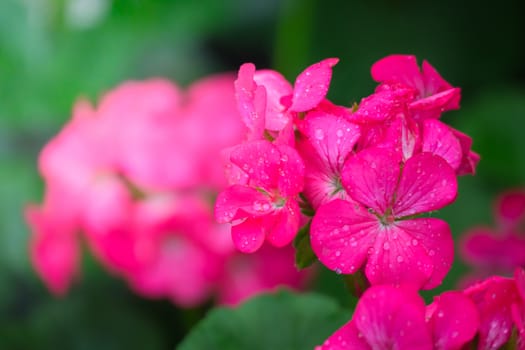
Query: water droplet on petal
[[319, 134]]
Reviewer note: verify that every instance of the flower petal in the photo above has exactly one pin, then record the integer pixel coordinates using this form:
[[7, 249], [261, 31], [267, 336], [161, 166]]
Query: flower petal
[[260, 161], [439, 140], [332, 137], [286, 225], [345, 338], [454, 320], [370, 177], [251, 100], [427, 183], [311, 85], [436, 238], [276, 87], [291, 171], [398, 257], [248, 236], [392, 318], [398, 68], [510, 208], [341, 234], [238, 201]]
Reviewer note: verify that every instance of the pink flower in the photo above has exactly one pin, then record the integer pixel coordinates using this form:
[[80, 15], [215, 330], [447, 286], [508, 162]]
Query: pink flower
[[377, 229], [494, 299], [433, 94], [453, 320], [501, 249], [518, 309], [247, 275], [329, 140], [266, 207], [385, 318], [267, 102]]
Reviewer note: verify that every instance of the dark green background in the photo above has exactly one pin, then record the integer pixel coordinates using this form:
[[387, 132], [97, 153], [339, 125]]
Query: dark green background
[[46, 61]]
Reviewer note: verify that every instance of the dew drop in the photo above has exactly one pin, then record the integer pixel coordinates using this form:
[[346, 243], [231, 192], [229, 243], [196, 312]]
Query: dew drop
[[338, 253], [319, 134], [400, 259], [339, 133], [414, 242], [386, 246], [338, 271]]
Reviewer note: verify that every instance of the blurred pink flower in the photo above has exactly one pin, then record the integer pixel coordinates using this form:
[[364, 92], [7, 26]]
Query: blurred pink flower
[[136, 176], [376, 228], [500, 249]]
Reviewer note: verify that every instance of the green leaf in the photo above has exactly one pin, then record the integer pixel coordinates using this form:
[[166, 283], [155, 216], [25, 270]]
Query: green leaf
[[304, 255], [273, 321]]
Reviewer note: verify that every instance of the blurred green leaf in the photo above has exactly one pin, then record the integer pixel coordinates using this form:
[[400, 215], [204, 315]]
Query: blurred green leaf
[[304, 255], [276, 321]]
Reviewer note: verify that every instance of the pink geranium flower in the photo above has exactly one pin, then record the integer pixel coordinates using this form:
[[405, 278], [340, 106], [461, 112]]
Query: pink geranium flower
[[433, 95], [453, 320], [377, 229], [267, 102], [385, 318], [494, 299], [328, 141], [266, 207], [499, 249]]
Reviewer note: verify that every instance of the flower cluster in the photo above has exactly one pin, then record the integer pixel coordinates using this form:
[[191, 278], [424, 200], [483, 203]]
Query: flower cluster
[[501, 249], [367, 172], [486, 314], [135, 176]]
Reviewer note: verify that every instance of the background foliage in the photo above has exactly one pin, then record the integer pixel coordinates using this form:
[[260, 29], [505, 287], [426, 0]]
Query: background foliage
[[52, 51]]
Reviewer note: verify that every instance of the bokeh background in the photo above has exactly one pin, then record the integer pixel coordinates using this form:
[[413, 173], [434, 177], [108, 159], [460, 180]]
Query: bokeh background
[[53, 51]]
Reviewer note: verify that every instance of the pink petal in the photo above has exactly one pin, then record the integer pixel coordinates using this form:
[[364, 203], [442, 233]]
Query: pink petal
[[436, 238], [392, 318], [276, 87], [519, 277], [238, 201], [485, 248], [248, 236], [341, 235], [402, 135], [439, 140], [454, 320], [432, 106], [54, 249], [427, 183], [398, 68], [311, 85], [260, 161], [510, 208], [286, 225], [251, 100], [434, 82], [494, 298], [346, 338], [382, 105], [291, 171], [332, 137], [469, 159], [394, 259], [371, 176]]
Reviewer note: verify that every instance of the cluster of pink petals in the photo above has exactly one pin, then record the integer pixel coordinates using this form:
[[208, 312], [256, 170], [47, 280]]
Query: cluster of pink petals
[[499, 249], [395, 317], [134, 177], [368, 172]]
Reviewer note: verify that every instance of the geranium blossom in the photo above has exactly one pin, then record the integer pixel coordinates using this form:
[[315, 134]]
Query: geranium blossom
[[134, 176], [265, 208], [376, 229], [385, 318], [499, 249]]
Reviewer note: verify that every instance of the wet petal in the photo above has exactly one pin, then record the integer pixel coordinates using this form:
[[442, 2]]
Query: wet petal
[[285, 225], [311, 85], [398, 68], [276, 87], [510, 208], [248, 236], [291, 171], [454, 320], [251, 100], [341, 234], [260, 161], [427, 183], [439, 140], [345, 338], [370, 177], [237, 202], [436, 238]]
